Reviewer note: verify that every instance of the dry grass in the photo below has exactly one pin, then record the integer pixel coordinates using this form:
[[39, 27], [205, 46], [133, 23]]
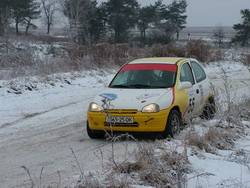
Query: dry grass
[[220, 138], [159, 50], [102, 55], [192, 138], [47, 55], [157, 164]]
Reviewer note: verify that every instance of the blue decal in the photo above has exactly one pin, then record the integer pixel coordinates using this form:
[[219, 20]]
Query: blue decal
[[109, 96]]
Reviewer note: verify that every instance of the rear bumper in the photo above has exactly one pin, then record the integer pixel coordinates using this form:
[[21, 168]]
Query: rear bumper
[[143, 122]]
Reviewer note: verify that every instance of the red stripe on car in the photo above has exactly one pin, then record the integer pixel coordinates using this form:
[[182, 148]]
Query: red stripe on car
[[150, 66]]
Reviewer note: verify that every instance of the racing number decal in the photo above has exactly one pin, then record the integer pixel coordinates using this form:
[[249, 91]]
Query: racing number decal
[[191, 99], [191, 105]]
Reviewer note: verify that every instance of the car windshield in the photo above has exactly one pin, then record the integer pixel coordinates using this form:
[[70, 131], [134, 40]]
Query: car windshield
[[145, 76]]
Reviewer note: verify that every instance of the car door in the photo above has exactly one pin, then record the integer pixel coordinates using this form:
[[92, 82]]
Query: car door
[[186, 75], [203, 84]]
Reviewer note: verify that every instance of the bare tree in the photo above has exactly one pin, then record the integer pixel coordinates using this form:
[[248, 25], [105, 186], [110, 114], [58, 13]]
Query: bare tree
[[77, 13], [1, 21], [33, 12], [5, 15], [4, 18], [50, 8], [85, 19], [219, 35]]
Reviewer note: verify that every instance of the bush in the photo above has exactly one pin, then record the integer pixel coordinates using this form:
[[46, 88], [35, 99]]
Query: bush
[[21, 57], [103, 55], [199, 49], [245, 59], [170, 50], [220, 138], [194, 139], [158, 36]]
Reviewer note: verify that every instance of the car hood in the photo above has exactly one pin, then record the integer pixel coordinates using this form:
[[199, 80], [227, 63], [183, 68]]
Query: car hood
[[134, 98]]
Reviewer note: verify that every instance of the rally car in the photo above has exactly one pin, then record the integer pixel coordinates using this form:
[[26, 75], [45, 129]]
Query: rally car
[[152, 95]]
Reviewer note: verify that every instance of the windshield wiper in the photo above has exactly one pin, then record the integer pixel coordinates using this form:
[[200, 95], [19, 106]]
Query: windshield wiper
[[160, 86], [139, 85], [119, 86]]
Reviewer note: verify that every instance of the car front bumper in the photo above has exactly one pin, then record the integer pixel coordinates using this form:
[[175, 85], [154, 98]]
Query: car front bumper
[[143, 122]]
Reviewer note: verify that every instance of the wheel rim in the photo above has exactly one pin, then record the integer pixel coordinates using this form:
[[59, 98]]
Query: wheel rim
[[175, 124]]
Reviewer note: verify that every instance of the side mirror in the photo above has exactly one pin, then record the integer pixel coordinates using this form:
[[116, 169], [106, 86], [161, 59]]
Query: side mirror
[[185, 85]]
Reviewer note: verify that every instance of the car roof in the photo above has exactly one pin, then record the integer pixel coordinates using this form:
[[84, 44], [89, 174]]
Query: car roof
[[163, 60]]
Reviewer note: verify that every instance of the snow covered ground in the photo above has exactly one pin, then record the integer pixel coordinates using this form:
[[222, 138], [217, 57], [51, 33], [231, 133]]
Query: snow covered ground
[[42, 132]]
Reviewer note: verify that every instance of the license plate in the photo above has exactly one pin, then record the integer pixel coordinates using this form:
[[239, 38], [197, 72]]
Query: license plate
[[119, 119]]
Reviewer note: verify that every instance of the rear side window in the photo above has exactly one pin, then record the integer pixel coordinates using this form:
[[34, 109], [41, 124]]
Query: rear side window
[[198, 72]]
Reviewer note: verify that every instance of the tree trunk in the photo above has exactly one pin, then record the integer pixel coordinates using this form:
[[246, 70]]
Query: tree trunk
[[17, 31], [1, 22], [177, 34], [48, 28], [27, 28], [1, 29], [245, 37]]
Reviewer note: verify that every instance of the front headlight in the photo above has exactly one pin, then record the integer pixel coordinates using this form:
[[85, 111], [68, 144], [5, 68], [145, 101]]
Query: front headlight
[[94, 107], [150, 108]]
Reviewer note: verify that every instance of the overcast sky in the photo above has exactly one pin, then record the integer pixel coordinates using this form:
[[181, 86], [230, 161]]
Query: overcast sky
[[210, 12]]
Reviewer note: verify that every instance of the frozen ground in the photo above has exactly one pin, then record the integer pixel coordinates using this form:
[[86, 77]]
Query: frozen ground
[[43, 120]]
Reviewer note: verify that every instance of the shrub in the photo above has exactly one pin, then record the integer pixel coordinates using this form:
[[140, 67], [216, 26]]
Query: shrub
[[194, 139], [158, 50], [214, 138], [198, 49], [245, 59], [159, 36], [103, 55], [170, 50], [220, 138]]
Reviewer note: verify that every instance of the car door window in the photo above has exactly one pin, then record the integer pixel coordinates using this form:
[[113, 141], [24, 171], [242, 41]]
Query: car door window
[[186, 74], [198, 72]]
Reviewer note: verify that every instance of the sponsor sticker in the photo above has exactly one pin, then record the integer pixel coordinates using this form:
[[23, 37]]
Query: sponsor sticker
[[147, 95], [191, 92], [108, 96], [202, 94]]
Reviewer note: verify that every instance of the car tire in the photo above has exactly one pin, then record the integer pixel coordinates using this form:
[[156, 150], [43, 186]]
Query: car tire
[[173, 125], [209, 109], [93, 134]]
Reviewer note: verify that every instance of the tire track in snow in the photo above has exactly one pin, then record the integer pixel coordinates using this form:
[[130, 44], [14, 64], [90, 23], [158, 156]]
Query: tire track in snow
[[27, 116]]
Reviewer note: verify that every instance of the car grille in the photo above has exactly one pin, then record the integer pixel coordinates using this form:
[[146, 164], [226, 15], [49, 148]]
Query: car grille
[[122, 111], [135, 124]]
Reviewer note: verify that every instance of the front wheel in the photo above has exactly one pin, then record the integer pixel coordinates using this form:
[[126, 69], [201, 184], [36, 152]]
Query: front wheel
[[93, 134], [173, 125]]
